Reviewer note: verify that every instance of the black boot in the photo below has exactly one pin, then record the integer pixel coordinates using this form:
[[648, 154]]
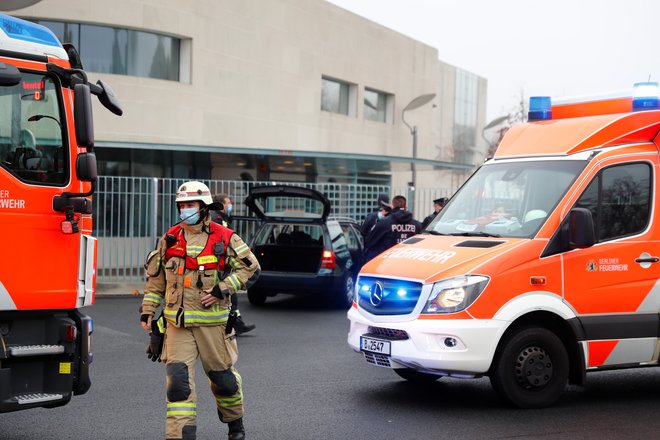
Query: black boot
[[236, 430], [241, 327]]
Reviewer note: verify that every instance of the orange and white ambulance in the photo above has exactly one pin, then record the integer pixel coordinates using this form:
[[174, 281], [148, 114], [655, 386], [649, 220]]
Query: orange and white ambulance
[[544, 266], [47, 177]]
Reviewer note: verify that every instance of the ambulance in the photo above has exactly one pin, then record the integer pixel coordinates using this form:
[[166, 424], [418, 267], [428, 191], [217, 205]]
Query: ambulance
[[47, 177], [544, 266]]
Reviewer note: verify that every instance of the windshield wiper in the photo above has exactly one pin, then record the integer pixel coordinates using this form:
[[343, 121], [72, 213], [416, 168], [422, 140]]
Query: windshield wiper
[[475, 234], [433, 232]]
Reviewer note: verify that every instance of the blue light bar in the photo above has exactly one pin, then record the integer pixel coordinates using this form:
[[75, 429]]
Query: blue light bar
[[646, 96], [540, 108], [18, 29]]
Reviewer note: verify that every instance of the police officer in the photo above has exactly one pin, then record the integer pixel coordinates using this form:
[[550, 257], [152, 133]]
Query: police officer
[[222, 216], [438, 204], [372, 218], [195, 268], [395, 228]]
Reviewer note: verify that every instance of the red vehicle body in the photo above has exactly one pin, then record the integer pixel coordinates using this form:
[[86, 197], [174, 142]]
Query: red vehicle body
[[47, 177]]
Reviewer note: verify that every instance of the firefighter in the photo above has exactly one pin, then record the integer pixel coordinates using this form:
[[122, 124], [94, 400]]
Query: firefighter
[[222, 216], [195, 268]]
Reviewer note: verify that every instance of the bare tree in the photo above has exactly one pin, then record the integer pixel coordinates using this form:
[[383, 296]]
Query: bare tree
[[495, 130]]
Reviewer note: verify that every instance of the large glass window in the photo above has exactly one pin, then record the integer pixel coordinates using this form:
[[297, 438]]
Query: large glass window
[[375, 105], [31, 143], [103, 49], [465, 115], [507, 199], [335, 96], [619, 199], [121, 51]]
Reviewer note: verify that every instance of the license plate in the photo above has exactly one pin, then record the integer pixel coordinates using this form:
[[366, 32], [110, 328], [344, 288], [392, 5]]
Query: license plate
[[375, 345]]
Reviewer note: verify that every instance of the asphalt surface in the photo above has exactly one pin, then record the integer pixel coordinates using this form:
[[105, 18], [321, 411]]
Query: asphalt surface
[[301, 381]]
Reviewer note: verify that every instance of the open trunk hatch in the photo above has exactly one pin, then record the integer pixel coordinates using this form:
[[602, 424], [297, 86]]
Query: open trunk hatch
[[288, 203]]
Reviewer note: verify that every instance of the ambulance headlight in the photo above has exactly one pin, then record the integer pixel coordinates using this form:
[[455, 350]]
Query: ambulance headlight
[[455, 294]]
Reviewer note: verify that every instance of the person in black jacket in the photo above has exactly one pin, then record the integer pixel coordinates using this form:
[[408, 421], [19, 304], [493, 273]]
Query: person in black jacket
[[372, 218], [438, 204], [222, 217], [395, 228]]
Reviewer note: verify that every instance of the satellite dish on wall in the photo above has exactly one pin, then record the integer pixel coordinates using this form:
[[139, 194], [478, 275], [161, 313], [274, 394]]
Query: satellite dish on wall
[[12, 5]]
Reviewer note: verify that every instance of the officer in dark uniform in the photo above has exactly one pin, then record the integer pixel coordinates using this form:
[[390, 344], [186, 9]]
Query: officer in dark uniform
[[372, 218], [395, 228], [438, 204], [222, 217]]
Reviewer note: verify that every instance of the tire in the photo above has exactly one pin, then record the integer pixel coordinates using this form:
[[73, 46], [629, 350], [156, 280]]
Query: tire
[[416, 376], [530, 368], [344, 296], [257, 297]]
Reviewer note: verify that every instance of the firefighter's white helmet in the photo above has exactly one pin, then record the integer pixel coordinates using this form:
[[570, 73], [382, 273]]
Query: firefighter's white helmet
[[191, 191]]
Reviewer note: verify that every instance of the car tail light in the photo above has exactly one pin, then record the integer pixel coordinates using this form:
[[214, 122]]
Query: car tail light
[[71, 333], [328, 260]]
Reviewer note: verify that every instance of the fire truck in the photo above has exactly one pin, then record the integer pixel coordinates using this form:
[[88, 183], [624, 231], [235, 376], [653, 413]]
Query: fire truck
[[543, 267], [47, 177]]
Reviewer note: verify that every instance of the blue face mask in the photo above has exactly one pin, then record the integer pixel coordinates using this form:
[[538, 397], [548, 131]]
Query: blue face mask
[[380, 215], [228, 209], [189, 215]]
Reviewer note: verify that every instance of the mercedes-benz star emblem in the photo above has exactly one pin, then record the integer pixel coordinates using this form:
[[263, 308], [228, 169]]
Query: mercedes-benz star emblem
[[376, 294]]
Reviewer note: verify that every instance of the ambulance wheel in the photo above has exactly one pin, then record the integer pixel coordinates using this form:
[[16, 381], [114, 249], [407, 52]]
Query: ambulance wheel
[[257, 297], [530, 368], [416, 376]]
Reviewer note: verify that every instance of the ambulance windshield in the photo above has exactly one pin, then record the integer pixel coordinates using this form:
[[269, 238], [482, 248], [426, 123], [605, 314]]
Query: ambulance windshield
[[510, 199], [31, 135]]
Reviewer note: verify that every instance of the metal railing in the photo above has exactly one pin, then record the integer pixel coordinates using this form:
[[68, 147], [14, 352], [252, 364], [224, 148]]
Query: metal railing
[[132, 213]]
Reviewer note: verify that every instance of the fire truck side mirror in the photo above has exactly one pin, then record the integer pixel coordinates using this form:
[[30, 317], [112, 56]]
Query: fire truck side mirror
[[109, 99], [84, 121], [86, 167], [9, 75], [581, 229]]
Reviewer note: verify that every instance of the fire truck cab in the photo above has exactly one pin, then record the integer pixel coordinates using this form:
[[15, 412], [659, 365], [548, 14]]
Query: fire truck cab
[[544, 266], [47, 177]]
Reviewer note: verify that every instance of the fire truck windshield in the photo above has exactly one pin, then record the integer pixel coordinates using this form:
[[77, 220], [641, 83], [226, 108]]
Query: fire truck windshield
[[511, 199], [32, 141]]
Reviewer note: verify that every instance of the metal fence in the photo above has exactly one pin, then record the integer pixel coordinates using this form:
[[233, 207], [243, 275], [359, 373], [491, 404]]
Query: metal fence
[[132, 213]]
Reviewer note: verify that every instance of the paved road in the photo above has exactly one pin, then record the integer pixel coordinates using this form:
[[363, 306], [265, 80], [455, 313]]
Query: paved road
[[303, 382]]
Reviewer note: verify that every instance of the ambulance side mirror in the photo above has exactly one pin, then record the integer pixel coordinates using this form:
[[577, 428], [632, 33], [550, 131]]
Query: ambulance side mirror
[[581, 232], [83, 116]]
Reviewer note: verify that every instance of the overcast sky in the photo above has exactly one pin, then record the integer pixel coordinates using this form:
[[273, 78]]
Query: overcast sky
[[555, 47]]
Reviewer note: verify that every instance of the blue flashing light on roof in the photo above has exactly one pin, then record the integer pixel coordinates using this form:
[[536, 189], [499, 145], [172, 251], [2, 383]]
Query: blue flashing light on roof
[[646, 96], [540, 108], [18, 29]]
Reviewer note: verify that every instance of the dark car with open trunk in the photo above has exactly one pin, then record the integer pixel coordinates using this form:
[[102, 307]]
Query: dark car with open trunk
[[300, 248]]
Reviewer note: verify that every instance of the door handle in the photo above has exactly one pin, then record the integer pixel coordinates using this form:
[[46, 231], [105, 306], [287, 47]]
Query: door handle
[[647, 260]]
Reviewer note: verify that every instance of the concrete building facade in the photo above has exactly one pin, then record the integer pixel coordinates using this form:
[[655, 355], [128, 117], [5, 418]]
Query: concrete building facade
[[297, 90]]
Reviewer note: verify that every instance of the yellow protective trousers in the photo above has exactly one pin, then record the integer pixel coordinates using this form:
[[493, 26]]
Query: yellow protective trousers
[[218, 353]]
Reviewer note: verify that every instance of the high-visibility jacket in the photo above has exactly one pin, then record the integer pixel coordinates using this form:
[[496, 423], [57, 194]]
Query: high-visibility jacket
[[197, 258]]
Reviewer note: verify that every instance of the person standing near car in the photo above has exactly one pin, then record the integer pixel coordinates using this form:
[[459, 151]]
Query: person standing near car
[[438, 204], [395, 228], [372, 218], [222, 217], [195, 268]]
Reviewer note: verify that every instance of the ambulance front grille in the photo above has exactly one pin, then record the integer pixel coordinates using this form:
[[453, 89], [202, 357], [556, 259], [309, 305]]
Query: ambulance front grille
[[391, 334], [386, 296], [377, 359]]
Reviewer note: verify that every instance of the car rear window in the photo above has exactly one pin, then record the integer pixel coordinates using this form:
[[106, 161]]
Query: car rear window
[[290, 234]]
